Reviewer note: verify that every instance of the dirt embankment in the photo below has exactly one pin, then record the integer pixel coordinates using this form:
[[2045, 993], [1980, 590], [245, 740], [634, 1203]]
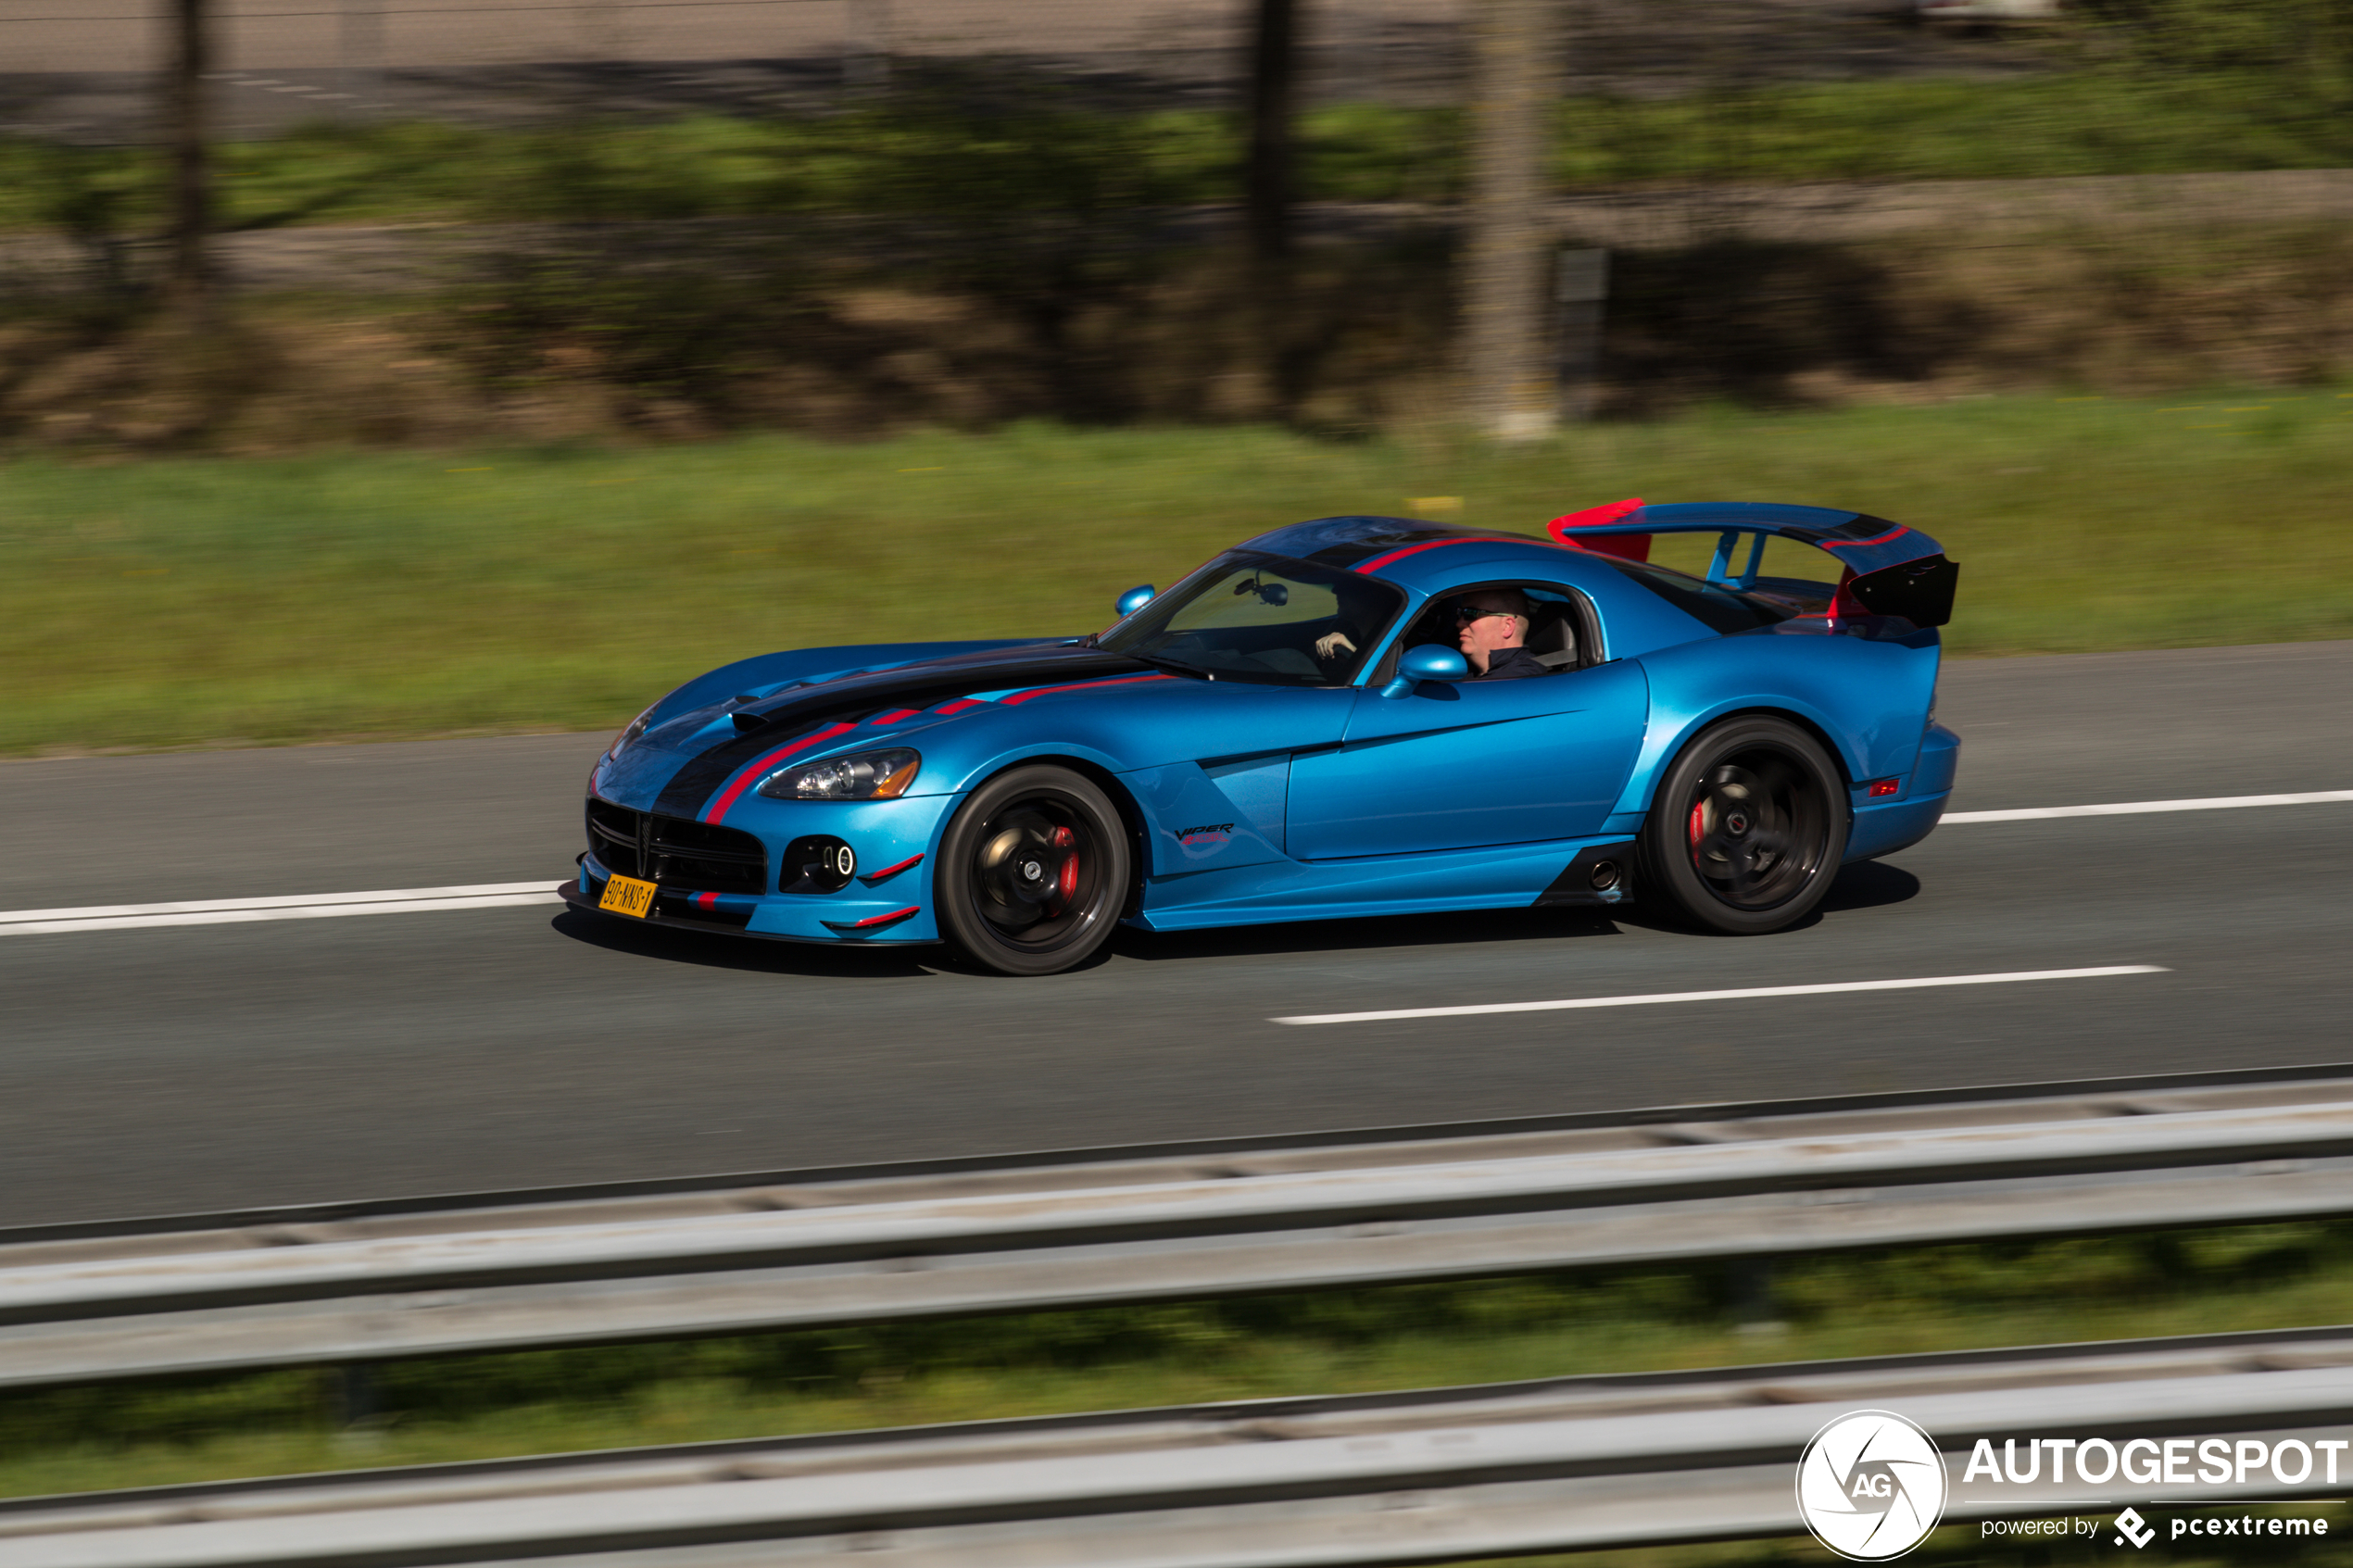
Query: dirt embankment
[[1811, 294]]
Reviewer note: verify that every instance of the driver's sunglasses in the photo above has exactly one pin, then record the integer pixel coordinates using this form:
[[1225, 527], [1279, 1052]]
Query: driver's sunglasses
[[1466, 614]]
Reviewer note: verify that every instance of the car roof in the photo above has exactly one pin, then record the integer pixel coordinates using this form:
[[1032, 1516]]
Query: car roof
[[1419, 555]]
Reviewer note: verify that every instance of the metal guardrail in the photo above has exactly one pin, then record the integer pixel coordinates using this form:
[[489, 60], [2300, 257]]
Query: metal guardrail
[[1561, 1465], [361, 1286]]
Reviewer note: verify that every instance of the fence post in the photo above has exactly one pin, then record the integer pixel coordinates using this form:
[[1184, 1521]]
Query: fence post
[[1364, 70], [1581, 294], [360, 56], [866, 58], [188, 120], [1274, 67], [1511, 379]]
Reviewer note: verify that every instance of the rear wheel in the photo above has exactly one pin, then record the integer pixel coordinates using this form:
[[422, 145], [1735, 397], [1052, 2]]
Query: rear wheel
[[1748, 828], [1032, 871]]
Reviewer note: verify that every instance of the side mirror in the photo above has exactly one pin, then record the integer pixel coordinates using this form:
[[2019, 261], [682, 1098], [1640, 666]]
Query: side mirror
[[1432, 663], [1427, 662], [1134, 599]]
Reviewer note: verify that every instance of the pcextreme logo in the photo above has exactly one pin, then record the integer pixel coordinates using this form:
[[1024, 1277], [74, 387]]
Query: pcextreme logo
[[1871, 1486]]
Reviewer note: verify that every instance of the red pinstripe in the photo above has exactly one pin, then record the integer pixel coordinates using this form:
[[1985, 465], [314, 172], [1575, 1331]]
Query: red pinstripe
[[1082, 685], [1897, 531], [718, 807], [1378, 562]]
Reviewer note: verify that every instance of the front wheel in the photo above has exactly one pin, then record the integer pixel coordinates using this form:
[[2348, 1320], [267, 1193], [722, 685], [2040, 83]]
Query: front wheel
[[1032, 871], [1748, 827]]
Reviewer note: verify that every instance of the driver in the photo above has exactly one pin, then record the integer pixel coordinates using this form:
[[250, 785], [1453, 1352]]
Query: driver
[[1491, 629]]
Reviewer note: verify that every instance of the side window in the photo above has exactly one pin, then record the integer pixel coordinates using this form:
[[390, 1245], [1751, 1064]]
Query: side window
[[1718, 608], [1705, 573], [1558, 629], [1561, 629]]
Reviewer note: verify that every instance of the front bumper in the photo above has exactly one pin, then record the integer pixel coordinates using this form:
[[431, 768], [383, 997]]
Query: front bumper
[[888, 900]]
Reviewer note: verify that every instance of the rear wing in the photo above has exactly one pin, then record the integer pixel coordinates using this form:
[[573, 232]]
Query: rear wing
[[1890, 569]]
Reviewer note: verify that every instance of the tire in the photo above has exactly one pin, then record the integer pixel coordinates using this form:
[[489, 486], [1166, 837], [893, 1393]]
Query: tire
[[1033, 871], [1748, 828]]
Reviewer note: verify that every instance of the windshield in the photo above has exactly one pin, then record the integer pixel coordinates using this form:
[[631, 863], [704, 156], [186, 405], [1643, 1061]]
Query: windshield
[[1251, 616]]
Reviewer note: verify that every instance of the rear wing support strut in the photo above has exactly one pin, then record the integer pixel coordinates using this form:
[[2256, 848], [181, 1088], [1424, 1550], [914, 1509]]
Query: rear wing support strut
[[1888, 569]]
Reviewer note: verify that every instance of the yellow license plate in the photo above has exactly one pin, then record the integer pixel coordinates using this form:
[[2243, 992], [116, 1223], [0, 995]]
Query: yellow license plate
[[627, 895]]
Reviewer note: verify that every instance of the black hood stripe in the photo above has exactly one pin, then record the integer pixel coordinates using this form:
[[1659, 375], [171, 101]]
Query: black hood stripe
[[793, 713]]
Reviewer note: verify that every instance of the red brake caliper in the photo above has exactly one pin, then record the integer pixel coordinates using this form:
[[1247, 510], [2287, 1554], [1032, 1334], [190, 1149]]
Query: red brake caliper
[[1699, 824], [1066, 881]]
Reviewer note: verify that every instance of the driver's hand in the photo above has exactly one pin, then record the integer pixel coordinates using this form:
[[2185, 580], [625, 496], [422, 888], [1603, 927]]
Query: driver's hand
[[1329, 645]]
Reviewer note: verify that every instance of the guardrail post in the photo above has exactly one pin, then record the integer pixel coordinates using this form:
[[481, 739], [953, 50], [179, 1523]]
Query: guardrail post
[[351, 1394], [1751, 1291]]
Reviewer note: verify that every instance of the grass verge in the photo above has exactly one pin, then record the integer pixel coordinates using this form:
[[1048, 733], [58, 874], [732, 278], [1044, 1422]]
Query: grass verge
[[197, 602], [1965, 1546], [1333, 1342]]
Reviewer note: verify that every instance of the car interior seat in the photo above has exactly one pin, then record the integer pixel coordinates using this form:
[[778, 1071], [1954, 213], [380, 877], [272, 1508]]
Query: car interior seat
[[1552, 637]]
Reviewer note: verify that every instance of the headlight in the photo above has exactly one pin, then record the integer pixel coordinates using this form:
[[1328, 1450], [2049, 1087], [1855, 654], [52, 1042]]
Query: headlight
[[861, 775], [630, 732]]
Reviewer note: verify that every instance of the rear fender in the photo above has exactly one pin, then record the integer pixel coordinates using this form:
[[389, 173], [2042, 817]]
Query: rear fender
[[1867, 699]]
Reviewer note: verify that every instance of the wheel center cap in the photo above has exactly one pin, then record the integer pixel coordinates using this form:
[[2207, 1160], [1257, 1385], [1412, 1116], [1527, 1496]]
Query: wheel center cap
[[1736, 823], [1032, 869]]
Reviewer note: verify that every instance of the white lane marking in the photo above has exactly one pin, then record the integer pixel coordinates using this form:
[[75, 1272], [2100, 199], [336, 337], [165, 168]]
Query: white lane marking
[[305, 911], [2136, 808], [313, 906], [1741, 995], [494, 895]]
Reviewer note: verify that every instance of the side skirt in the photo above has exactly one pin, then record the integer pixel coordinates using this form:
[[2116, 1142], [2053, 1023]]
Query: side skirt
[[1558, 872]]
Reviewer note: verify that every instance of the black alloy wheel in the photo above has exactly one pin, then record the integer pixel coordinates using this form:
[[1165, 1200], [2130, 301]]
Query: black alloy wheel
[[1033, 871], [1748, 828]]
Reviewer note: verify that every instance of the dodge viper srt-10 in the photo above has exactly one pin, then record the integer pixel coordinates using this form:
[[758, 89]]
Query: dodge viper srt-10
[[1291, 733]]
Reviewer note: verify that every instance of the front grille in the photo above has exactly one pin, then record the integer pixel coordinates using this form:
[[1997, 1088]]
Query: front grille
[[675, 851]]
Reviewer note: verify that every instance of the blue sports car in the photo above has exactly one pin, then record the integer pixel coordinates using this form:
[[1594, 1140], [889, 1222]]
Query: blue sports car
[[1352, 716]]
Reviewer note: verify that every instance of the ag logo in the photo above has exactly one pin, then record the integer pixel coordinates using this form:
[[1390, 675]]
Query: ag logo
[[1871, 1486]]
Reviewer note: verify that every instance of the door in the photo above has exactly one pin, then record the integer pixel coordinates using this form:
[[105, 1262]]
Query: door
[[1471, 763]]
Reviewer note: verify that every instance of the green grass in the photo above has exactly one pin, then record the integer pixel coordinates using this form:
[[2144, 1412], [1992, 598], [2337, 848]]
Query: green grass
[[926, 156], [1965, 1546], [2030, 128], [1920, 1299], [215, 601]]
